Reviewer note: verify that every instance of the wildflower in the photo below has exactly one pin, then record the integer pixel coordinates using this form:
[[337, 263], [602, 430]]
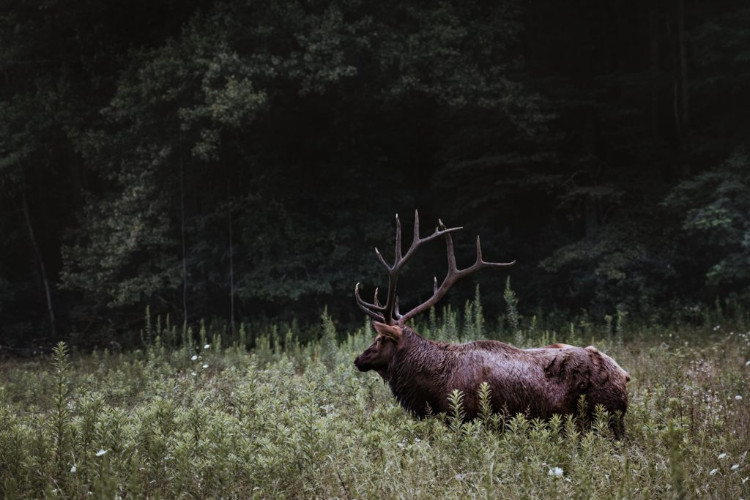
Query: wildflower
[[73, 469], [747, 363], [722, 455], [735, 466], [717, 327], [205, 366], [738, 397], [713, 472], [101, 452], [193, 374], [207, 346], [194, 358], [555, 471]]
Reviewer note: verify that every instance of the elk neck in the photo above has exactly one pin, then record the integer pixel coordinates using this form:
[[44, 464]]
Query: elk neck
[[417, 372]]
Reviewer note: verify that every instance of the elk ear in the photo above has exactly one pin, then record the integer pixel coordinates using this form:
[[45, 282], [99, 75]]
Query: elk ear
[[393, 332]]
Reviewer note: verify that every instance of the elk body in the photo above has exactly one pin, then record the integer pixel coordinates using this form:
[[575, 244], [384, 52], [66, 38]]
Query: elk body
[[537, 382]]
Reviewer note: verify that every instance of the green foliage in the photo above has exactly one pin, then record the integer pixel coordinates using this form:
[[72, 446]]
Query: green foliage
[[474, 317], [184, 108], [278, 422], [614, 268], [457, 413], [60, 421], [190, 155], [715, 204], [328, 344], [511, 309], [448, 327], [106, 254], [486, 413]]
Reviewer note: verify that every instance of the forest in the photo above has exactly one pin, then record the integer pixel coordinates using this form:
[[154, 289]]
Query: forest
[[238, 161]]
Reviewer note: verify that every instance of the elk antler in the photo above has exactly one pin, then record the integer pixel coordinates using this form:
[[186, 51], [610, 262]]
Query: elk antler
[[389, 312]]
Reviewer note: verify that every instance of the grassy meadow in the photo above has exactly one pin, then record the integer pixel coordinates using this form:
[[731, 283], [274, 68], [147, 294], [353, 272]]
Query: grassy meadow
[[286, 420]]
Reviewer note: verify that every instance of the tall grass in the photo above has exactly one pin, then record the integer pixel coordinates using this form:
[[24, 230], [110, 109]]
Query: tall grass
[[292, 420]]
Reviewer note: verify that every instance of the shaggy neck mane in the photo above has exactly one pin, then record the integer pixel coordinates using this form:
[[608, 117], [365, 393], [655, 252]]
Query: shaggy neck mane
[[418, 372]]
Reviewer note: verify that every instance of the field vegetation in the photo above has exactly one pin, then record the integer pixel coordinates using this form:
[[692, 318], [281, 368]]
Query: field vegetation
[[201, 415]]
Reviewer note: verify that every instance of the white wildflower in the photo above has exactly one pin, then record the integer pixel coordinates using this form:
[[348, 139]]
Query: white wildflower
[[205, 366], [722, 455], [193, 374], [207, 346], [738, 397], [73, 469], [555, 471], [747, 363], [101, 452], [713, 472], [194, 357], [735, 466]]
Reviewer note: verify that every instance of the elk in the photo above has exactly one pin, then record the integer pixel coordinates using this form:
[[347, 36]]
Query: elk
[[536, 382]]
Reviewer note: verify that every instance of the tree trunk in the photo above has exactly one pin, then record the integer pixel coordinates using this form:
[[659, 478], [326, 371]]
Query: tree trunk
[[680, 73], [680, 84], [682, 51], [231, 259], [182, 242], [40, 263], [654, 70]]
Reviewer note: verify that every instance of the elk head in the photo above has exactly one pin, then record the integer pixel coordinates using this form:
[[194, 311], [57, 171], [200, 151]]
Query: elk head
[[388, 320], [378, 355]]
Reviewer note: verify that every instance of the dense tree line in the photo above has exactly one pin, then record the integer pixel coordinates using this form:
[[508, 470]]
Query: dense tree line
[[239, 160]]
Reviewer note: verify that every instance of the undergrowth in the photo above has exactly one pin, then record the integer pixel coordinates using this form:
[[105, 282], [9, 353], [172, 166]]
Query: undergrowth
[[299, 421]]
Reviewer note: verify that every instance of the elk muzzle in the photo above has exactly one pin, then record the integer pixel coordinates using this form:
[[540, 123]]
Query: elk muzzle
[[370, 359], [377, 356]]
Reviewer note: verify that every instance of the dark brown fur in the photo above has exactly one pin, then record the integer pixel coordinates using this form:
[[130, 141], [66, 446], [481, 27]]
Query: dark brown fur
[[537, 382]]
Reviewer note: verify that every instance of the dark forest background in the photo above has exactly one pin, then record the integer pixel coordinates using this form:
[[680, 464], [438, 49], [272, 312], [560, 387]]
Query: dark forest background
[[239, 160]]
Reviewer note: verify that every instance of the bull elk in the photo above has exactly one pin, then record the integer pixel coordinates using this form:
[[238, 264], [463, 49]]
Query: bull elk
[[422, 373]]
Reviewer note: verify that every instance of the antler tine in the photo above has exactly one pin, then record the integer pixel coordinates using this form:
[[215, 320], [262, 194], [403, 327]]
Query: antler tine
[[370, 309], [449, 247], [381, 259], [482, 263], [397, 251], [416, 227], [418, 241], [454, 274]]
